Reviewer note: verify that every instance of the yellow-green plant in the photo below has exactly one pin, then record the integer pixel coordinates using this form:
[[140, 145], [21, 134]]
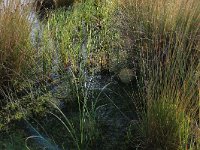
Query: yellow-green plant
[[78, 35], [164, 126], [69, 38]]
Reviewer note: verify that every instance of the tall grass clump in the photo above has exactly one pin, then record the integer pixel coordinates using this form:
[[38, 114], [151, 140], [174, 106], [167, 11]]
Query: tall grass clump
[[16, 51], [82, 130], [166, 44], [73, 110], [18, 94]]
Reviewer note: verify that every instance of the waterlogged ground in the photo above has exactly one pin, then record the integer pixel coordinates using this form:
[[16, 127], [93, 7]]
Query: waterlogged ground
[[113, 116]]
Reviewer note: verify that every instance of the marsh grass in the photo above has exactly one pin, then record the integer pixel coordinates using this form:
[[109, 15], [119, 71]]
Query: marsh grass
[[79, 35], [16, 51], [77, 122], [166, 45], [162, 38], [18, 64], [70, 38], [164, 126], [82, 131]]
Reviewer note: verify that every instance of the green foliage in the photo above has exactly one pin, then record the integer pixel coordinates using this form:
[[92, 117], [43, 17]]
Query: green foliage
[[78, 37], [81, 131], [164, 126], [16, 109], [69, 40]]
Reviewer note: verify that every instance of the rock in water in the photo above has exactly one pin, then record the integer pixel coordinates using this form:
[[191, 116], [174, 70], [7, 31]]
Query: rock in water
[[42, 6], [126, 75], [63, 3]]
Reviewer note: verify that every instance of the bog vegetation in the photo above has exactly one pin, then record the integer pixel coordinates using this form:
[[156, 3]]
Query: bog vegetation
[[98, 74]]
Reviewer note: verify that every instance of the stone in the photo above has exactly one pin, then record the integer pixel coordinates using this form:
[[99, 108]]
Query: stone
[[126, 75], [42, 6]]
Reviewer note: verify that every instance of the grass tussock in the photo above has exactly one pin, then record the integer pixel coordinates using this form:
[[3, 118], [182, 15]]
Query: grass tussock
[[166, 41], [162, 127], [16, 51], [17, 62]]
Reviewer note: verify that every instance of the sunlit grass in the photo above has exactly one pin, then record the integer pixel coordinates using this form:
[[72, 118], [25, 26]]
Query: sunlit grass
[[16, 50], [79, 37], [165, 35]]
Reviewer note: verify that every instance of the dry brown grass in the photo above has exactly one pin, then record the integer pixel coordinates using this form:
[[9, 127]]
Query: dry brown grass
[[165, 35], [16, 51]]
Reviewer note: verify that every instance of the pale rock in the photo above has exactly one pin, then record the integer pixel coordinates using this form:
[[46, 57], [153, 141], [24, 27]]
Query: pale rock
[[126, 75]]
